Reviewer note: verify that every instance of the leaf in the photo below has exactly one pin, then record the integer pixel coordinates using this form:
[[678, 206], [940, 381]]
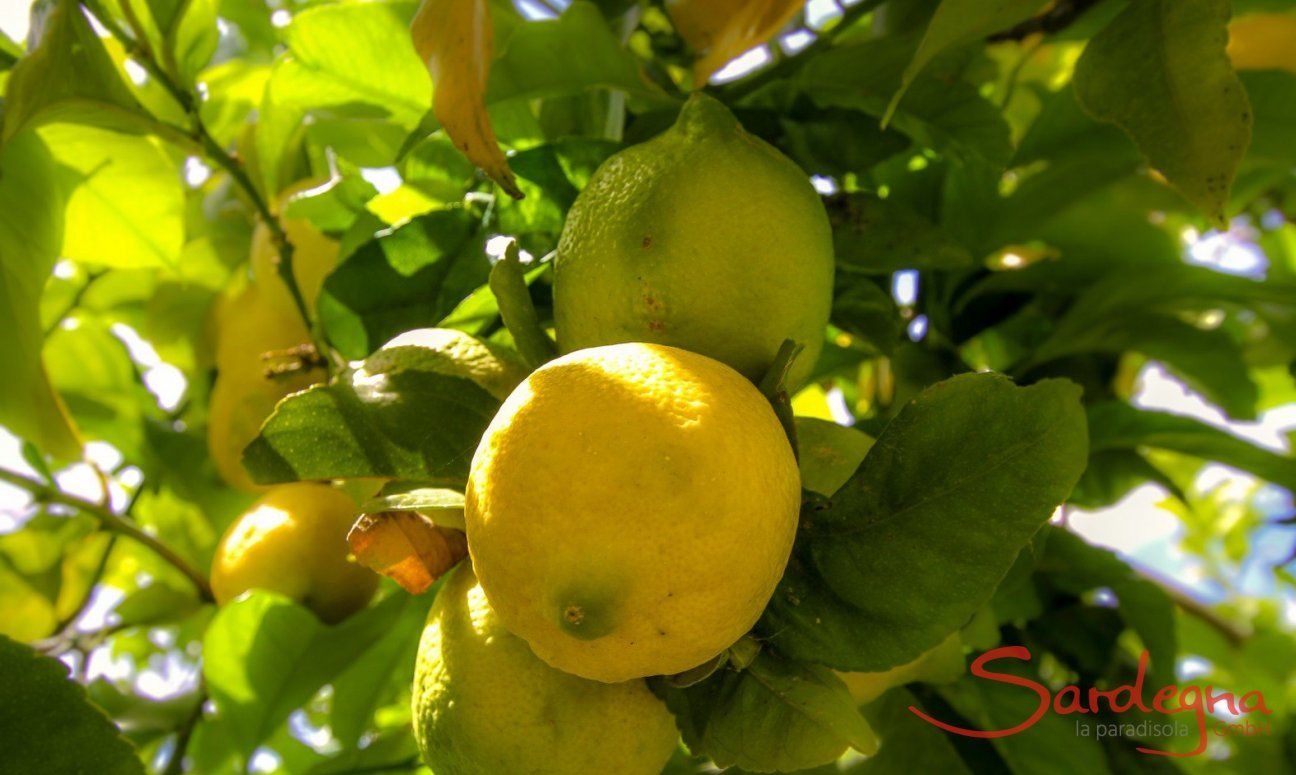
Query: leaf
[[719, 30], [1273, 100], [879, 236], [407, 412], [862, 308], [957, 22], [50, 725], [947, 115], [384, 673], [124, 195], [31, 235], [404, 278], [67, 75], [909, 744], [953, 488], [1117, 425], [1077, 567], [1112, 473], [264, 656], [455, 39], [1159, 71], [774, 715], [350, 61], [406, 547]]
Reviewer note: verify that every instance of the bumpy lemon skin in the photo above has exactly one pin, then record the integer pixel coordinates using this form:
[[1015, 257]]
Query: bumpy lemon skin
[[630, 510], [704, 238], [293, 541], [483, 704]]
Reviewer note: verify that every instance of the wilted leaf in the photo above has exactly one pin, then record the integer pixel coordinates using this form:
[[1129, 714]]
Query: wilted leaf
[[456, 40], [1160, 72], [719, 30], [406, 547]]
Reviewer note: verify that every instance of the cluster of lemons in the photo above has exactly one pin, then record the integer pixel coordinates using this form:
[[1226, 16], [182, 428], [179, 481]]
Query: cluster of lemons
[[631, 507]]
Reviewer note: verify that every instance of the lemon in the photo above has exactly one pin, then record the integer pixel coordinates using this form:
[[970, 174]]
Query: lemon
[[704, 238], [484, 704], [1265, 41], [630, 510], [293, 541], [829, 453], [941, 664], [243, 395], [315, 255]]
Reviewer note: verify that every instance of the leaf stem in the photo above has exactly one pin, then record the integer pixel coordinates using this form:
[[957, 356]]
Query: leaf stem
[[508, 283], [110, 521]]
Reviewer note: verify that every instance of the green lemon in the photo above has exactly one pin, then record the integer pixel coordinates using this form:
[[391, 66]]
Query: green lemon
[[704, 238]]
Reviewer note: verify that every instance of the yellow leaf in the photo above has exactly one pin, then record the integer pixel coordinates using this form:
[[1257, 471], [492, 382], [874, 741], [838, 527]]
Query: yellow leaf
[[406, 547], [719, 30], [1263, 41], [455, 38]]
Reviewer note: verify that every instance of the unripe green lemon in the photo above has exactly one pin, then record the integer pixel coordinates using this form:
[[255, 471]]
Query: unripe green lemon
[[293, 541], [704, 238], [484, 704], [630, 510]]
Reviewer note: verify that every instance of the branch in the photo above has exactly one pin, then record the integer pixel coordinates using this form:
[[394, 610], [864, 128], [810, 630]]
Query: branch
[[175, 765], [113, 523], [1055, 19], [212, 150], [1235, 634], [789, 65]]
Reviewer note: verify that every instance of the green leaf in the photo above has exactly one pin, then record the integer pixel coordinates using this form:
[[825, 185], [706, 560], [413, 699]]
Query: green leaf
[[10, 52], [49, 724], [947, 115], [1077, 567], [957, 22], [1112, 473], [124, 195], [67, 75], [535, 60], [909, 744], [862, 308], [406, 412], [379, 676], [1273, 100], [31, 234], [774, 715], [346, 60], [879, 236], [402, 279], [1159, 71], [264, 656], [953, 488], [192, 37], [443, 506], [1117, 425]]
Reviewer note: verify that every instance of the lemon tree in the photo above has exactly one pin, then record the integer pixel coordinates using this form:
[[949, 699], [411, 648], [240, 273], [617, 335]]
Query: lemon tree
[[669, 386]]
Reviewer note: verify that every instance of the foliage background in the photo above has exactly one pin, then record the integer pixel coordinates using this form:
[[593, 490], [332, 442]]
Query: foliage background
[[994, 224]]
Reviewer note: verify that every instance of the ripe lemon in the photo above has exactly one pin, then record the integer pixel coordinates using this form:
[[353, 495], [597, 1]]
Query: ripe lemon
[[704, 238], [293, 541], [484, 704], [1265, 41], [243, 395], [630, 510]]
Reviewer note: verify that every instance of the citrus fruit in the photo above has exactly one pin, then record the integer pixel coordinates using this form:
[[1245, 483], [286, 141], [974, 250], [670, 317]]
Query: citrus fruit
[[1265, 41], [314, 255], [828, 453], [293, 541], [704, 238], [940, 664], [483, 703], [630, 510], [243, 395]]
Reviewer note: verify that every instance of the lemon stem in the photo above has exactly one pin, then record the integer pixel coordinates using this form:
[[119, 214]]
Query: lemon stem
[[508, 284], [774, 386]]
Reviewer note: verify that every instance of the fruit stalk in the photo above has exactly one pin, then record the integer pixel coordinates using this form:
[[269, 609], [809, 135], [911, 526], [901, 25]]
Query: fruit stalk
[[509, 286]]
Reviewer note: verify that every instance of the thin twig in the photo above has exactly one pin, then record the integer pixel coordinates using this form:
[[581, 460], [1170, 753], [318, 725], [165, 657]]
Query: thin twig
[[1055, 19], [111, 522], [1235, 634], [175, 765]]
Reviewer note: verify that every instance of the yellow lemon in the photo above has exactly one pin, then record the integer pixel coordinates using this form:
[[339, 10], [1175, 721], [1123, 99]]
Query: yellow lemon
[[315, 255], [1265, 41], [483, 704], [631, 509], [293, 541], [704, 238], [243, 395]]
